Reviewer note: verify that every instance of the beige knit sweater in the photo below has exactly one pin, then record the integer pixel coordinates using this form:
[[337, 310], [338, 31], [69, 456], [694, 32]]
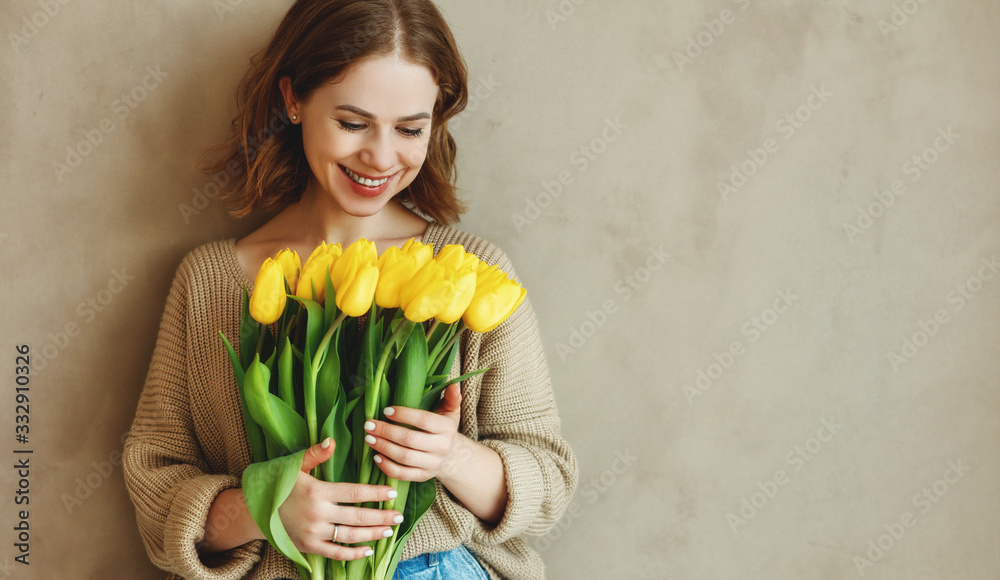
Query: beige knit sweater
[[187, 442]]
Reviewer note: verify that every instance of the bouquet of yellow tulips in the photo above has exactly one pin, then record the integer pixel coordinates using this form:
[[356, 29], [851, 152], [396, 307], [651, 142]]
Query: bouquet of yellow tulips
[[353, 335]]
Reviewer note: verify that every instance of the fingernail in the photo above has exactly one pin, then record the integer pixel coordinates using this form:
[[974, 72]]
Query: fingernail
[[398, 519], [388, 411], [369, 552], [325, 444], [392, 495], [369, 440], [386, 533], [369, 426], [378, 459]]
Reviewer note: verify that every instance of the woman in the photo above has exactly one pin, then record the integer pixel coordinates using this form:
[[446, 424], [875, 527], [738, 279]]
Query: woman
[[368, 88]]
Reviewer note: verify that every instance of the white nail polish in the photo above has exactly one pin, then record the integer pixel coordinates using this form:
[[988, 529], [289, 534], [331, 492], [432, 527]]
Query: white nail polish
[[369, 552], [398, 519], [388, 411], [369, 440], [369, 426], [386, 533]]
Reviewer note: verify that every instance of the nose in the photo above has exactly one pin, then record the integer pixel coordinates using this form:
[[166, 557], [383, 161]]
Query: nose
[[379, 152]]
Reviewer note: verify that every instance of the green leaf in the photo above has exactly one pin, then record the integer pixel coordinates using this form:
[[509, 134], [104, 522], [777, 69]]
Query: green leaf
[[411, 371], [249, 331], [439, 339], [331, 311], [286, 370], [398, 339], [278, 420], [234, 360], [328, 379], [447, 361], [273, 448], [268, 346], [314, 323], [266, 486], [335, 426], [432, 395], [314, 335], [255, 436]]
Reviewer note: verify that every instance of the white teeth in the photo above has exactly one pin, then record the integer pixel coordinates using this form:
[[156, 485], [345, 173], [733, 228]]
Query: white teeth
[[365, 181]]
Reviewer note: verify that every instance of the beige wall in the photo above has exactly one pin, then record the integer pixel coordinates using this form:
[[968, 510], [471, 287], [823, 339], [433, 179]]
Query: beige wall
[[819, 421]]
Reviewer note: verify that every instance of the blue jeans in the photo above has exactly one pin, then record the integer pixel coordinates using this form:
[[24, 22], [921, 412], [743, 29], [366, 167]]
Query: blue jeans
[[457, 564]]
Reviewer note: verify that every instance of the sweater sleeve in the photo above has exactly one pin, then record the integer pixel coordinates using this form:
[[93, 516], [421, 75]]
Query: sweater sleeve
[[163, 464], [518, 419]]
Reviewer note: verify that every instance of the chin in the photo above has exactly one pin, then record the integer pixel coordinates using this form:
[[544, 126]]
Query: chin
[[357, 206]]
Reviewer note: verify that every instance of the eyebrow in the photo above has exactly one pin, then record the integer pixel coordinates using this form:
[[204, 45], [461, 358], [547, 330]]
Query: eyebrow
[[367, 115]]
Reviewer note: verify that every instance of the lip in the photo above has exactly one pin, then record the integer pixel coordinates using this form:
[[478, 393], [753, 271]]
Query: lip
[[365, 191]]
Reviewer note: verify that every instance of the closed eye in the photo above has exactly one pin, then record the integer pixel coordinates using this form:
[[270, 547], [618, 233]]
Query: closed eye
[[352, 127], [357, 127]]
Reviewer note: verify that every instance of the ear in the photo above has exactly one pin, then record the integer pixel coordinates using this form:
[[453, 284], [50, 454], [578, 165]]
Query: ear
[[291, 103]]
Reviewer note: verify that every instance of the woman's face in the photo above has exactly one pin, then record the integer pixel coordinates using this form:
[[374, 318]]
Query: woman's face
[[366, 136]]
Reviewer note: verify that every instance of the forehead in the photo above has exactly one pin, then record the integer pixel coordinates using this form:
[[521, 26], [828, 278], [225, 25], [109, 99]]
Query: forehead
[[387, 86]]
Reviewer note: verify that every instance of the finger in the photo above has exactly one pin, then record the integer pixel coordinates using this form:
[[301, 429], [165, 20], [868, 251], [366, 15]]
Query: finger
[[404, 436], [328, 549], [401, 455], [353, 535], [451, 402], [317, 454], [423, 420], [364, 518], [401, 472], [356, 492]]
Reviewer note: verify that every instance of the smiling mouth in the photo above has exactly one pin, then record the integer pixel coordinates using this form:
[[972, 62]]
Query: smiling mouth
[[364, 180]]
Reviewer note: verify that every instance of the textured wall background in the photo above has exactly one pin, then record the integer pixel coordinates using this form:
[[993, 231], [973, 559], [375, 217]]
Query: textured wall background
[[768, 280]]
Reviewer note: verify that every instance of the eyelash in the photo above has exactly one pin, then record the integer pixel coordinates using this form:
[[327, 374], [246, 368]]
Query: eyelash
[[354, 128]]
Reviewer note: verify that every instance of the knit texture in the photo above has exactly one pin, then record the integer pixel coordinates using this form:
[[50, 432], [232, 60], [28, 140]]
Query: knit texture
[[188, 443]]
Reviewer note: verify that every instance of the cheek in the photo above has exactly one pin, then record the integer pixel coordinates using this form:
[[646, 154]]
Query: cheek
[[415, 154], [324, 144]]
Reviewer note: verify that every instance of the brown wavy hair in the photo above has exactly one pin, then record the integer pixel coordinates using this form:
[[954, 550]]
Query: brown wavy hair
[[316, 41]]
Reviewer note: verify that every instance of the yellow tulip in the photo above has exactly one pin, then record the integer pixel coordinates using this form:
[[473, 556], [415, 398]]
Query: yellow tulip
[[461, 267], [422, 252], [314, 271], [454, 257], [267, 301], [427, 292], [496, 298], [291, 264], [355, 277], [396, 268]]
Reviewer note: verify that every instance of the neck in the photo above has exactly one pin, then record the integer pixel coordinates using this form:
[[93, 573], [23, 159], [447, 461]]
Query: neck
[[319, 218]]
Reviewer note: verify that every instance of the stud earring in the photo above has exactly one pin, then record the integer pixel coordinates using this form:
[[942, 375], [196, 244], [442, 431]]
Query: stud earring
[[295, 117]]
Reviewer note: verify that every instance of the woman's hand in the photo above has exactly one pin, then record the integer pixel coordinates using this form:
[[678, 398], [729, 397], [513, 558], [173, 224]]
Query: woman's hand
[[313, 509], [418, 454]]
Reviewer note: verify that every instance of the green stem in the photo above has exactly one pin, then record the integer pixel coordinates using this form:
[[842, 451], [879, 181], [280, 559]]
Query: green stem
[[318, 565], [316, 363], [370, 402], [434, 325], [383, 547], [260, 337], [291, 322], [310, 381], [444, 351]]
